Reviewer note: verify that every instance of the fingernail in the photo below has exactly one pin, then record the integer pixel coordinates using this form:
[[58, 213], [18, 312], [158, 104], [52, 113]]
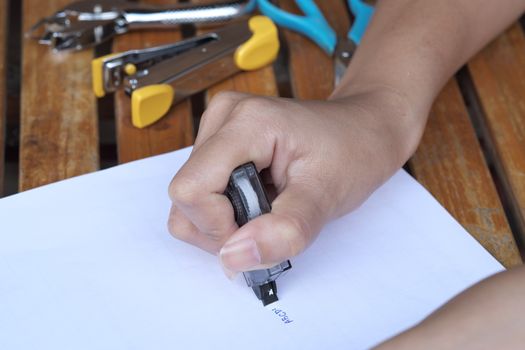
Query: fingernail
[[229, 273], [240, 255]]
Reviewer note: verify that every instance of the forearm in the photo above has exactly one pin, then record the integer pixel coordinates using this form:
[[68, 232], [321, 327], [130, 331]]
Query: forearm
[[412, 47], [409, 51], [489, 315]]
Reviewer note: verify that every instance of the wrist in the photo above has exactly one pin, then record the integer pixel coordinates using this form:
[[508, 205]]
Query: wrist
[[392, 115]]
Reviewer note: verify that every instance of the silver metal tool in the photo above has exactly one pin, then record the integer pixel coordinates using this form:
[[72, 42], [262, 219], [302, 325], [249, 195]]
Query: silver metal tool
[[87, 23], [196, 63], [156, 78], [249, 200], [193, 64]]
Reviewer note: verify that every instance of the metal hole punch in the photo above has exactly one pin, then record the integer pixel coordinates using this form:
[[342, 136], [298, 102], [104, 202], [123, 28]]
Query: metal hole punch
[[84, 24], [158, 77]]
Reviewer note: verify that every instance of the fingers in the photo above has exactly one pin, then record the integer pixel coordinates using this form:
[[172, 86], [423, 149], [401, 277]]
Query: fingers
[[216, 114], [268, 240], [210, 213], [183, 229], [197, 189]]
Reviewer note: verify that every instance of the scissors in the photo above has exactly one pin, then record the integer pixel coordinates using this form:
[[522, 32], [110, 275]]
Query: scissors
[[315, 26]]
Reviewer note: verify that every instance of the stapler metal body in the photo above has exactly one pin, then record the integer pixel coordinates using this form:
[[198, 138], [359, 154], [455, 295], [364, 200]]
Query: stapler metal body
[[87, 23], [156, 78]]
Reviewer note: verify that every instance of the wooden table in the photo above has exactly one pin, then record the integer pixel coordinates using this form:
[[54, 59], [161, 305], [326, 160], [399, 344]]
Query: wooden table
[[471, 158]]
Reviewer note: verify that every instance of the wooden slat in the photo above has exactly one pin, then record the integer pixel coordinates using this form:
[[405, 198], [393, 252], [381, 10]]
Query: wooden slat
[[449, 163], [259, 82], [3, 56], [174, 131], [59, 136], [498, 73]]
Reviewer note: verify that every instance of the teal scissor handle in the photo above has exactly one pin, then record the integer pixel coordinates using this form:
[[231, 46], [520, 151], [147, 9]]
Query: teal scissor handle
[[362, 15], [313, 24]]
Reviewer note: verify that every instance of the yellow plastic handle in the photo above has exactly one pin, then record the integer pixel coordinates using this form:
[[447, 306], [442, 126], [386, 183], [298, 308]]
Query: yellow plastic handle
[[150, 103], [97, 66], [262, 48]]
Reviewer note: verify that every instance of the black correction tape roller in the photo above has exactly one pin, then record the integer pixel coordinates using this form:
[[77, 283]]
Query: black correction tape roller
[[249, 200]]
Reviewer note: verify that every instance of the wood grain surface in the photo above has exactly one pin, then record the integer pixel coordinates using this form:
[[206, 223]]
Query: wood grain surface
[[59, 136], [259, 82], [498, 73], [3, 56], [449, 163], [172, 132]]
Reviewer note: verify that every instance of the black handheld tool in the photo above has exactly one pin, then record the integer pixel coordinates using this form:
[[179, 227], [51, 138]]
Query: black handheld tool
[[248, 197]]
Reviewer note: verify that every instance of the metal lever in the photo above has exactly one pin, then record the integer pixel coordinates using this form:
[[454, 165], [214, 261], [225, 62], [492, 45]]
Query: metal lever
[[88, 23], [115, 70]]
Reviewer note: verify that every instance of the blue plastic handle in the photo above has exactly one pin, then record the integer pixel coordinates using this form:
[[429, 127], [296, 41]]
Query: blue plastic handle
[[313, 25], [362, 15]]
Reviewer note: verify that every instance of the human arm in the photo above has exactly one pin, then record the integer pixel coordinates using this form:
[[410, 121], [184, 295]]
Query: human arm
[[490, 315]]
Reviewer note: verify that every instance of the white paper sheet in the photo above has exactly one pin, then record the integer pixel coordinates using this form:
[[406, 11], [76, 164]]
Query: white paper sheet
[[88, 264]]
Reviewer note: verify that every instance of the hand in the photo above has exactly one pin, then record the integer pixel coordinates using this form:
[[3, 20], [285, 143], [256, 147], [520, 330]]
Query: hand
[[324, 157]]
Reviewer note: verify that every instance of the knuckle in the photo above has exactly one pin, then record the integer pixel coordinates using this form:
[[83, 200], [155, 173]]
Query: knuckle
[[225, 97], [177, 233], [250, 106], [184, 192], [260, 113], [205, 118], [179, 230]]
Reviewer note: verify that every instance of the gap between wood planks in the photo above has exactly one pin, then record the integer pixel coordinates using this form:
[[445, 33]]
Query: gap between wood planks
[[12, 101], [106, 120], [476, 114]]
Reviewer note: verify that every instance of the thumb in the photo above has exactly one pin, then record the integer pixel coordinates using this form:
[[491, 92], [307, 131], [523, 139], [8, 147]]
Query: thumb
[[268, 240]]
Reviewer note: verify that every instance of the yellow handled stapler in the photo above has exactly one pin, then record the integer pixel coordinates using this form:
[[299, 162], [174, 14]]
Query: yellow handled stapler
[[156, 78]]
